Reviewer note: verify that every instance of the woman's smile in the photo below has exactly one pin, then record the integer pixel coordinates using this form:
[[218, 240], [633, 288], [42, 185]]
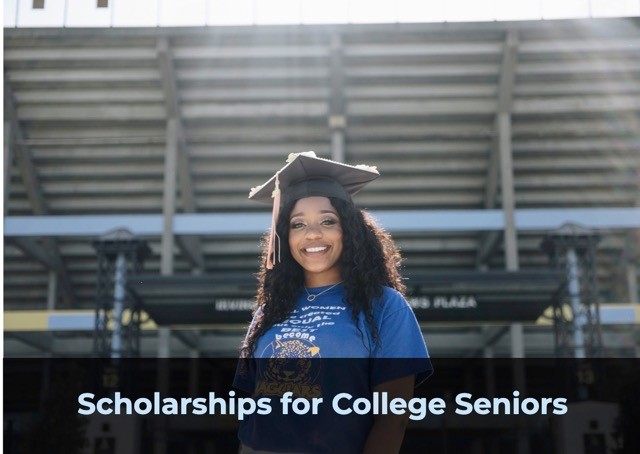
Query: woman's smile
[[315, 250]]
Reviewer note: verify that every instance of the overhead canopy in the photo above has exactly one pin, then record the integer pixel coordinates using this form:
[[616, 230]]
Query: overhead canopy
[[481, 296], [453, 296]]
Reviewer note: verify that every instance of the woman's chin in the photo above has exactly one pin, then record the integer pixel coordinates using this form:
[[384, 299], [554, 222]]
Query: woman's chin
[[326, 274]]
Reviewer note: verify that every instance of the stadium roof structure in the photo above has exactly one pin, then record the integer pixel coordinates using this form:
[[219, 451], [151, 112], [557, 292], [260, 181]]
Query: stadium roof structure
[[134, 127]]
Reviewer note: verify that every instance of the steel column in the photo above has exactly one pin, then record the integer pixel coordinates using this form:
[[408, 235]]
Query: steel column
[[52, 290], [8, 161], [118, 305]]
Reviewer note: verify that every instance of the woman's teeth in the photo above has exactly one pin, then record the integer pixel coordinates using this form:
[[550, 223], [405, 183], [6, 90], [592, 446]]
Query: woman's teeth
[[316, 249]]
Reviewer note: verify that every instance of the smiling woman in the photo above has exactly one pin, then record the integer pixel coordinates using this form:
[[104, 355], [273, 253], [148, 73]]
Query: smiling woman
[[329, 287]]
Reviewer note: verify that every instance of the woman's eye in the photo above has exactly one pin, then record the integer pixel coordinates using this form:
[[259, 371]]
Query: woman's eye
[[297, 225], [329, 221]]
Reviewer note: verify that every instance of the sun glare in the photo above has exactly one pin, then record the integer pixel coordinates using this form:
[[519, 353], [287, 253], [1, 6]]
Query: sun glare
[[171, 13]]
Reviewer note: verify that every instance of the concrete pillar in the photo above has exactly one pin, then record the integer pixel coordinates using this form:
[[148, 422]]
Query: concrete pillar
[[511, 258], [166, 269], [337, 119]]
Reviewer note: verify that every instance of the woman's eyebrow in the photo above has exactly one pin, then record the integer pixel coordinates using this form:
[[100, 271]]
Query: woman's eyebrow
[[295, 215]]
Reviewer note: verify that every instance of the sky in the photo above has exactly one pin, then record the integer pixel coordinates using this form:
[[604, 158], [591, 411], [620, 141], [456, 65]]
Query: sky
[[153, 13]]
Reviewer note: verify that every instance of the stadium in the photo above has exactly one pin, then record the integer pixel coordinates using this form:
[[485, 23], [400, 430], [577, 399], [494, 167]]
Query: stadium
[[509, 154]]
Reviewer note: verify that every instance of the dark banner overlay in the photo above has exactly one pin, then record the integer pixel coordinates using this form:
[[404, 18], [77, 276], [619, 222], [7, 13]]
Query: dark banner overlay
[[190, 405]]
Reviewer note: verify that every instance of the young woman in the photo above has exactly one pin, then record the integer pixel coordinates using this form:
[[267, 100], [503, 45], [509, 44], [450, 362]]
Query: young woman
[[329, 287]]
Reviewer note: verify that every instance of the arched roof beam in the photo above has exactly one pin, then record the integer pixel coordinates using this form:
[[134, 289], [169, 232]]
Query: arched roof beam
[[48, 252]]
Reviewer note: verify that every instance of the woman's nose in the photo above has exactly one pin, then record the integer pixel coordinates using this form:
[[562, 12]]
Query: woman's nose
[[313, 232]]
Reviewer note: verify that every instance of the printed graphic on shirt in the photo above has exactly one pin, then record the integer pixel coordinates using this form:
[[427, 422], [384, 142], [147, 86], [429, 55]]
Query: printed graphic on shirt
[[297, 375], [298, 348], [296, 336], [292, 350]]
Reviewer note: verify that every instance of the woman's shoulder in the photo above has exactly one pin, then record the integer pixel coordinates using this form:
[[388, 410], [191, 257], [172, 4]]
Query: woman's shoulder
[[390, 301], [390, 293]]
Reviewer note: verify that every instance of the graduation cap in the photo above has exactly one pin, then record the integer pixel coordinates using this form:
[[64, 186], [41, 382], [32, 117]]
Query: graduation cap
[[306, 175]]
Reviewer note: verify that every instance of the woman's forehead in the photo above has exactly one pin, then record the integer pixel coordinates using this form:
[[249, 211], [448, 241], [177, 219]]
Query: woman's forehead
[[311, 205]]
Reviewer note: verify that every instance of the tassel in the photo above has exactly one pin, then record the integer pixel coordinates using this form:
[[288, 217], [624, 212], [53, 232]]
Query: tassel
[[271, 253]]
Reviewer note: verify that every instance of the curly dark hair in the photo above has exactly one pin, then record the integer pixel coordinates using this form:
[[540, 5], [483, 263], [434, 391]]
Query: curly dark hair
[[369, 261]]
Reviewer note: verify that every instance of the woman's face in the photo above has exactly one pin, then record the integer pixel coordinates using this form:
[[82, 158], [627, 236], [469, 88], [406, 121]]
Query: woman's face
[[315, 240]]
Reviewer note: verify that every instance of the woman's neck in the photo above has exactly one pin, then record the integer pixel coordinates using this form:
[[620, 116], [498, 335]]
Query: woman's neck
[[312, 280]]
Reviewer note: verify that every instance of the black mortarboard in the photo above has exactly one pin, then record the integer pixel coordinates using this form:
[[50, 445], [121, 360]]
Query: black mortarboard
[[306, 175]]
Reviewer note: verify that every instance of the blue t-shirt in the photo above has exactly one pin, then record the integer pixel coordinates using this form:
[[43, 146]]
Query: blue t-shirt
[[345, 359]]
